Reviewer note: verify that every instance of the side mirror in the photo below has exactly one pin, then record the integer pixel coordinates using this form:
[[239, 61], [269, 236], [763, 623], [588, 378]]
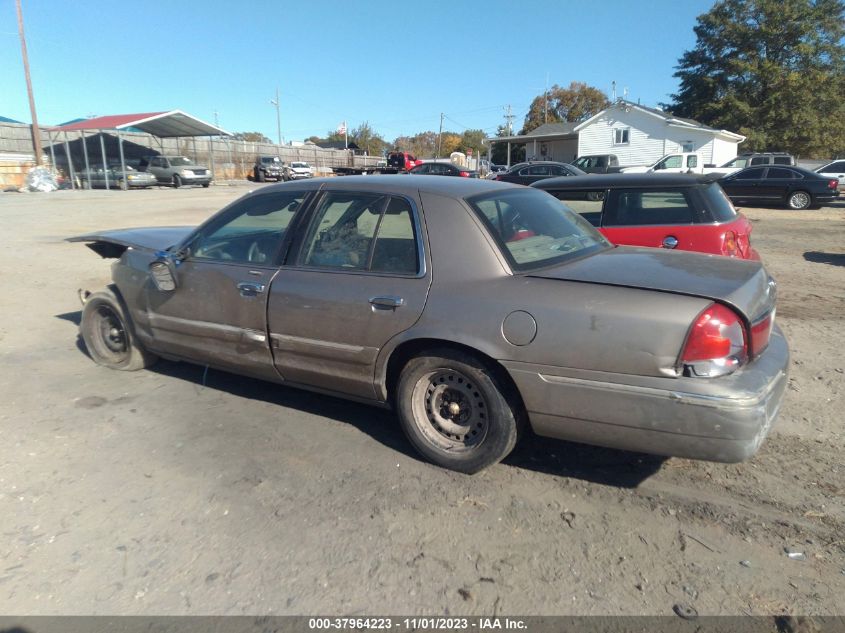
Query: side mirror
[[163, 275]]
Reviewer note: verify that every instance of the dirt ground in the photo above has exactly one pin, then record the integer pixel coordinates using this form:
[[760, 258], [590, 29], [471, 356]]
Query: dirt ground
[[168, 491]]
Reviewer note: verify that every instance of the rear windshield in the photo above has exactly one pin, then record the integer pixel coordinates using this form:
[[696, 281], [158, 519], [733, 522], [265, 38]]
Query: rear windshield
[[718, 203], [533, 229]]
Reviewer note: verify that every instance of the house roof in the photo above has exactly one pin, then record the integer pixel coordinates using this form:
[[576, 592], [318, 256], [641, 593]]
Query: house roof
[[668, 117], [162, 124], [4, 119], [548, 131]]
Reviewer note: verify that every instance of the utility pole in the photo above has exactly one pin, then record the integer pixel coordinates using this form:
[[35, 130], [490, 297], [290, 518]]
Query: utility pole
[[546, 101], [36, 132], [509, 118], [439, 137], [275, 102]]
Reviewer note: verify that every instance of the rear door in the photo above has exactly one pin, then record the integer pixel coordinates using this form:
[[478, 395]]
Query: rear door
[[356, 278], [777, 183]]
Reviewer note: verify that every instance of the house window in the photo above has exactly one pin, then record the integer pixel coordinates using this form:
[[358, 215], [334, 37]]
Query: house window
[[621, 136], [687, 147]]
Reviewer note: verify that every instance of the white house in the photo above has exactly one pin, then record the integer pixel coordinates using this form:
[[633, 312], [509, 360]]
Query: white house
[[638, 135]]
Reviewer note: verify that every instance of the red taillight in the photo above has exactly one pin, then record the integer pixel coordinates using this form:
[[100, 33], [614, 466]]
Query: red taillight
[[499, 177], [833, 184], [729, 245], [760, 333], [716, 344], [465, 174]]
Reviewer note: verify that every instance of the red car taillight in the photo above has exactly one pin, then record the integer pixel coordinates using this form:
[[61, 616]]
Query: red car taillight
[[833, 184], [761, 332], [465, 174], [716, 344], [729, 245]]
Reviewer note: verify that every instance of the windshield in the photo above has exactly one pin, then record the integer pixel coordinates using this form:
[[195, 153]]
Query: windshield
[[180, 160], [269, 159], [301, 165], [533, 229]]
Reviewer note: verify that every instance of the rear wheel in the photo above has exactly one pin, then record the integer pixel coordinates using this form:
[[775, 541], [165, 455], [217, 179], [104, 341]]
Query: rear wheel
[[799, 200], [205, 185], [455, 412], [260, 177], [108, 334], [177, 181]]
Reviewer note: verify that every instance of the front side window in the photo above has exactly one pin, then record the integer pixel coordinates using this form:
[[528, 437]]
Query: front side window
[[364, 232], [587, 204], [782, 160], [739, 163], [670, 162], [251, 233], [621, 136], [533, 229], [632, 207], [751, 174], [760, 160]]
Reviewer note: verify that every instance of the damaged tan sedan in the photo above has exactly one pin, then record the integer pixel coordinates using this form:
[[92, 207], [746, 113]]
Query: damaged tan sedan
[[476, 309]]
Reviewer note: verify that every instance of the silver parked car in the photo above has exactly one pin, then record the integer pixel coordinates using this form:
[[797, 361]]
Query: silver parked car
[[112, 178], [298, 170], [473, 308]]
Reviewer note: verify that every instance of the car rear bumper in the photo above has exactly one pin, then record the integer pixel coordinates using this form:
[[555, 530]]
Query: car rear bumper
[[720, 419]]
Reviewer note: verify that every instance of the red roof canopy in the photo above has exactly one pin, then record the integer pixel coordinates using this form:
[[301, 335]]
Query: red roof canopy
[[161, 124]]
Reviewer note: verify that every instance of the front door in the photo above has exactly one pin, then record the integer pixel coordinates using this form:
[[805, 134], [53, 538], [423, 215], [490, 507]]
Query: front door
[[357, 278], [217, 314]]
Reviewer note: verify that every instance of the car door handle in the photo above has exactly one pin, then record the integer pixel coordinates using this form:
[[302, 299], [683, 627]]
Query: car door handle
[[250, 288], [387, 302]]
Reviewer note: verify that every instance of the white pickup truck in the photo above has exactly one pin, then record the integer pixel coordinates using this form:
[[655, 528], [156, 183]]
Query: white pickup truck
[[678, 163]]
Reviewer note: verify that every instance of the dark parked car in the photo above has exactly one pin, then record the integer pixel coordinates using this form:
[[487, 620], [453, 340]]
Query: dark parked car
[[687, 212], [98, 178], [528, 173], [443, 169], [795, 187], [267, 168], [473, 308]]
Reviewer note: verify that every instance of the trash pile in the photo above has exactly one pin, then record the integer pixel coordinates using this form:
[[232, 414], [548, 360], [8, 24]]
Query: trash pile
[[41, 179]]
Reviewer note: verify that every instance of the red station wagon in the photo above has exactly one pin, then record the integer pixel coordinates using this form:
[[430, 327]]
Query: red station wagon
[[678, 211]]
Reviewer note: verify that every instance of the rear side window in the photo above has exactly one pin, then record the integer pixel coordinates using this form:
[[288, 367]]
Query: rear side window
[[782, 160], [363, 232], [760, 160], [782, 174], [632, 207], [718, 204]]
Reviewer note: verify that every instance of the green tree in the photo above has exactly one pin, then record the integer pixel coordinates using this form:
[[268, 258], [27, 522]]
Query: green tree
[[499, 155], [472, 139], [772, 70], [578, 102], [368, 139], [251, 137]]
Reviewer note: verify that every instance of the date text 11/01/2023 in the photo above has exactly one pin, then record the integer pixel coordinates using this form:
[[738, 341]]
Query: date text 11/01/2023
[[416, 623]]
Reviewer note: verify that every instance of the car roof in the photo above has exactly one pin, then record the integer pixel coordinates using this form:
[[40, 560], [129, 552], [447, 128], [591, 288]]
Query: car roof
[[800, 170], [401, 184], [599, 181]]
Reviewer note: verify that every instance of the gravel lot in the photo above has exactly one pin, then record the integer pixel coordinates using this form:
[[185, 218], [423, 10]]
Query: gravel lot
[[167, 492]]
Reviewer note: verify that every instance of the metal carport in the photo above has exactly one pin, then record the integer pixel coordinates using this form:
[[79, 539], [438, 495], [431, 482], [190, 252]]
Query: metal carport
[[171, 124]]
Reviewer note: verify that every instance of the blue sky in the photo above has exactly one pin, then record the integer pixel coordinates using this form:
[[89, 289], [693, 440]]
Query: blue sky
[[395, 64]]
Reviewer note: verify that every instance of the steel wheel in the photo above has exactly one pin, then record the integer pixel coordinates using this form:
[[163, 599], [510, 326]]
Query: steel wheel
[[455, 411], [109, 338], [799, 200], [449, 410], [108, 335]]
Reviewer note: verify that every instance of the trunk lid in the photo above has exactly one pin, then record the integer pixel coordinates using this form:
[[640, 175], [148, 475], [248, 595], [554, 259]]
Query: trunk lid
[[743, 284]]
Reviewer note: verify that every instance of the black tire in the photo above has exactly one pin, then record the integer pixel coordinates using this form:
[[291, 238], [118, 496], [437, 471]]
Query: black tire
[[455, 412], [177, 181], [799, 200], [205, 185], [260, 176], [109, 336]]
